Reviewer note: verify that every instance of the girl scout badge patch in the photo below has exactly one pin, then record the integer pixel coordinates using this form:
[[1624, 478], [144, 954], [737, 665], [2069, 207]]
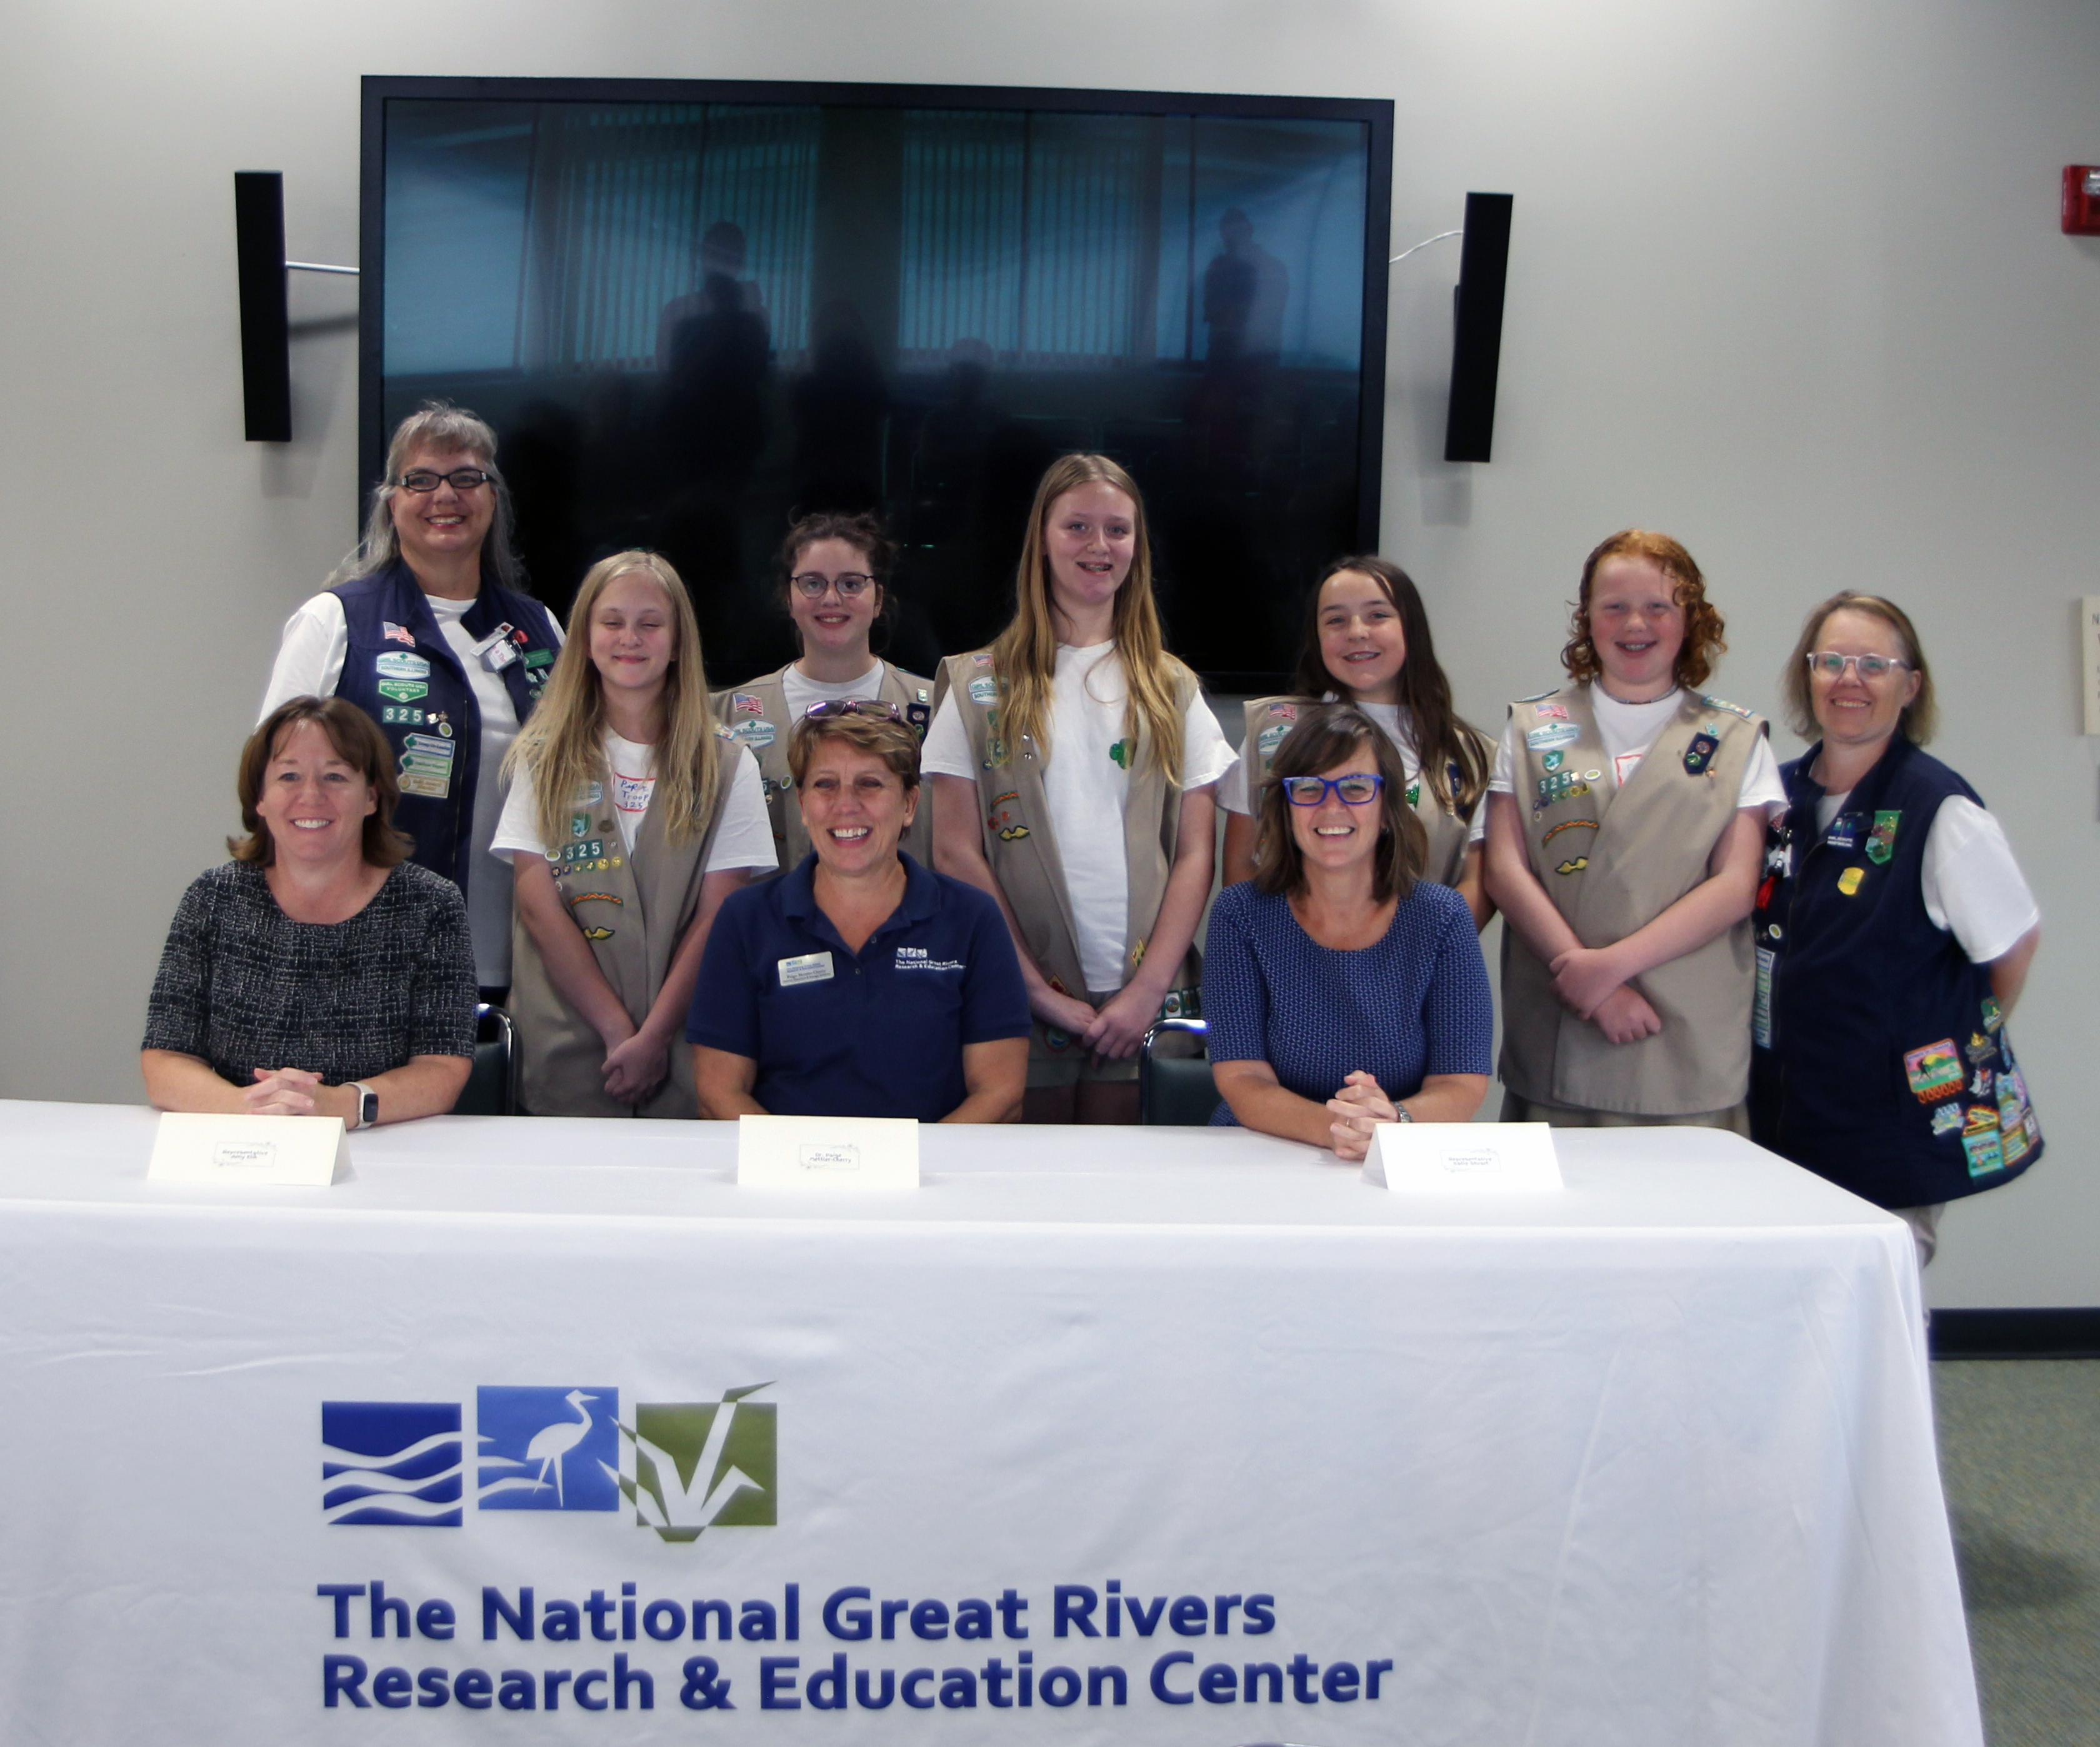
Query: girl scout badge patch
[[1700, 753], [1935, 1072], [1981, 1140], [1882, 840], [1848, 881]]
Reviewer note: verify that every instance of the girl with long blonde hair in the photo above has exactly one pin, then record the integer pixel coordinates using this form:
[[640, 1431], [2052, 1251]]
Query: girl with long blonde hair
[[630, 818], [1073, 764]]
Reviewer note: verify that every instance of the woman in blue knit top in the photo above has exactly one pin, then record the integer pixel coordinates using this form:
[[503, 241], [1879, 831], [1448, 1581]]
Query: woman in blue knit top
[[1341, 989]]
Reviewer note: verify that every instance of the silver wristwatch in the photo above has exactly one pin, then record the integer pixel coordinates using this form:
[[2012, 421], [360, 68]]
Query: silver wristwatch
[[1402, 1113]]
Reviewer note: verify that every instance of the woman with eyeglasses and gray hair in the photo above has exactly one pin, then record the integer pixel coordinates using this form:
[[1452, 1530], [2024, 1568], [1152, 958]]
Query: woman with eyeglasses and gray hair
[[1342, 988], [427, 627], [861, 983], [1894, 931], [834, 579]]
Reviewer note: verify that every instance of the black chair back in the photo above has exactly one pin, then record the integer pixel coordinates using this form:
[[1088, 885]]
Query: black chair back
[[491, 1089], [1174, 1085]]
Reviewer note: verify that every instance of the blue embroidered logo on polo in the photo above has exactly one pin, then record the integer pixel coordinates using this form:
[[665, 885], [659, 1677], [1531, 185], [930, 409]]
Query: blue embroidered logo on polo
[[397, 1463]]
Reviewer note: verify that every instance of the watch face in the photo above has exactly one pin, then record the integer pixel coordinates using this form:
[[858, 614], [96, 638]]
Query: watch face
[[368, 1109]]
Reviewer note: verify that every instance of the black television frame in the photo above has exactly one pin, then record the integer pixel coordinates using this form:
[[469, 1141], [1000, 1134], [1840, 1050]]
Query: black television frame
[[1375, 112]]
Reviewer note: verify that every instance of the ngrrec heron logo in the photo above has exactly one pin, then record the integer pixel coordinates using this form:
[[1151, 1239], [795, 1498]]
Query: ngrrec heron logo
[[391, 1461], [686, 1467], [547, 1449]]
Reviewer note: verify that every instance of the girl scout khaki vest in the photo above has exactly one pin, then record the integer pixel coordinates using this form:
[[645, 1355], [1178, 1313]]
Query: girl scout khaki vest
[[633, 910], [1613, 860], [1024, 856], [1269, 721], [757, 714]]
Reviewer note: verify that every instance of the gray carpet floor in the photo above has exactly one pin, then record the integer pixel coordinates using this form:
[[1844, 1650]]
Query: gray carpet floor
[[2020, 1446]]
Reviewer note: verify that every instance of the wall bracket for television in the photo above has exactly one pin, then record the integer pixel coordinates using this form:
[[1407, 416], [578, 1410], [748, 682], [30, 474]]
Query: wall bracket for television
[[266, 342]]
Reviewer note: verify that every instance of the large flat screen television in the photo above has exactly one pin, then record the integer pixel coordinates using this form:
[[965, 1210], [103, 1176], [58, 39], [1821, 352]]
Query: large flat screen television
[[691, 309]]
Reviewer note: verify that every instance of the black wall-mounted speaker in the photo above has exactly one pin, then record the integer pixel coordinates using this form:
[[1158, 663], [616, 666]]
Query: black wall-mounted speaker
[[1476, 342], [265, 349]]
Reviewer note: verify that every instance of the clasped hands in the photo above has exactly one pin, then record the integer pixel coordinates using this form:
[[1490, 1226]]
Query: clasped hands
[[1588, 979], [292, 1092], [1113, 1033], [1358, 1108], [636, 1066]]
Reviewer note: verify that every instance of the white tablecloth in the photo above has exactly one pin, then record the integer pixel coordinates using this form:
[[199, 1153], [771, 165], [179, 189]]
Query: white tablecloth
[[1648, 1462]]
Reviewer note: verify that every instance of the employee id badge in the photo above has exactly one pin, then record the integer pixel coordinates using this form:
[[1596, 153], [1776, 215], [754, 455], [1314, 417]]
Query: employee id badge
[[497, 650], [811, 967]]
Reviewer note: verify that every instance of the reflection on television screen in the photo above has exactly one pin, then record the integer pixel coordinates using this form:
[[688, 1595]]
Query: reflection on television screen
[[690, 320]]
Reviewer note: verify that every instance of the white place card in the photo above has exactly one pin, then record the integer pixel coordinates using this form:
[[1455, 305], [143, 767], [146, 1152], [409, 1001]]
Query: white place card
[[827, 1152], [305, 1151], [1464, 1157]]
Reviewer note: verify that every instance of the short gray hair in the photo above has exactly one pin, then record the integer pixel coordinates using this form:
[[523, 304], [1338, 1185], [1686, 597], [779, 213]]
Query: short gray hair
[[435, 425]]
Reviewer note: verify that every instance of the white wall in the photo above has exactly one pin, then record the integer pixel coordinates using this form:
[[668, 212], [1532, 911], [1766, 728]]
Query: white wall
[[1786, 282]]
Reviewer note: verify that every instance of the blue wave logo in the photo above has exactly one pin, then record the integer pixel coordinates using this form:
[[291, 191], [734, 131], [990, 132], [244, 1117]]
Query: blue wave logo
[[398, 1463]]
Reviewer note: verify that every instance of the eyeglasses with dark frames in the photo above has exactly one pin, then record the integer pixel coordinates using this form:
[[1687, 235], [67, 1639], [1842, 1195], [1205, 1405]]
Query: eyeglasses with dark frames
[[460, 479], [851, 586]]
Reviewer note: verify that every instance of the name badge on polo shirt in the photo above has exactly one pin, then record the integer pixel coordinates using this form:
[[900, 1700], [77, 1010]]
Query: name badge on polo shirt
[[497, 650], [811, 967]]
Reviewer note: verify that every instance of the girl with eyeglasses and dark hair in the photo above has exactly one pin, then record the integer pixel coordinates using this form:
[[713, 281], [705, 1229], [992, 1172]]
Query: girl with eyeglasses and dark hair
[[1343, 989], [834, 578], [1367, 643], [631, 816], [427, 627], [1894, 933]]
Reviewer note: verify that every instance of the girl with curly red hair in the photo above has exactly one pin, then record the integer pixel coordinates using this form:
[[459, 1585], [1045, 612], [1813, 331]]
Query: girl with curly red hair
[[1625, 824]]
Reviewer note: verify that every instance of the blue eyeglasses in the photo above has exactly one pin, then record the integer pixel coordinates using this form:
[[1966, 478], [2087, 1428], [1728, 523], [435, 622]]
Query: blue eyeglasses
[[1356, 789]]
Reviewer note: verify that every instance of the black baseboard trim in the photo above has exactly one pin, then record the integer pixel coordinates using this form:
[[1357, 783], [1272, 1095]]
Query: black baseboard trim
[[2052, 1334]]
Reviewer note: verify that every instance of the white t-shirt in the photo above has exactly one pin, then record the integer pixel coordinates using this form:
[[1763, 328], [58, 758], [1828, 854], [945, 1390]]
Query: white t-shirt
[[800, 691], [1087, 784], [1628, 731], [744, 839], [1235, 793], [309, 662], [1972, 885]]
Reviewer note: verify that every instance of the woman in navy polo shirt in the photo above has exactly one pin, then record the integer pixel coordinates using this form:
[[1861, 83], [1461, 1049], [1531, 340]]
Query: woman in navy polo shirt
[[861, 983]]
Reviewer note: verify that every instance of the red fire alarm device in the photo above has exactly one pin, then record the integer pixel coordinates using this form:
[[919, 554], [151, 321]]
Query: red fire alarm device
[[2081, 199]]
